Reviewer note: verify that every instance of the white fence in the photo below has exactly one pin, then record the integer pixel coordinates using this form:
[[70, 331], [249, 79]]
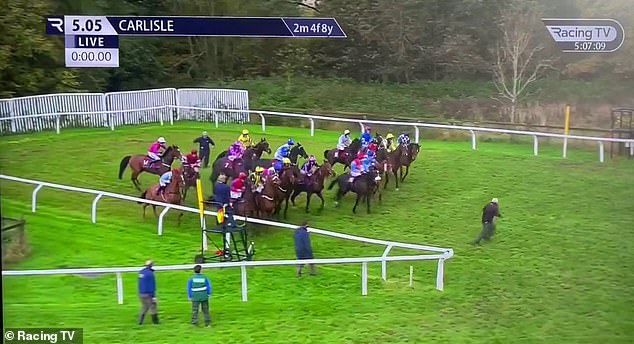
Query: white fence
[[78, 110], [135, 107], [442, 253]]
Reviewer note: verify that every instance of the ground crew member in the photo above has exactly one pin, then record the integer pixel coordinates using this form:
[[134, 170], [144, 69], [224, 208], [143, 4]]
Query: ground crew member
[[147, 293], [204, 142], [222, 195], [198, 292], [489, 213], [303, 248]]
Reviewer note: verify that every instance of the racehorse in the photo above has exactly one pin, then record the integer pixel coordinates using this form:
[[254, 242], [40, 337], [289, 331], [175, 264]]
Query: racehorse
[[297, 151], [189, 176], [351, 154], [364, 186], [172, 193], [240, 165], [315, 184], [392, 162], [137, 164], [260, 147], [265, 201], [285, 187], [246, 206], [412, 152]]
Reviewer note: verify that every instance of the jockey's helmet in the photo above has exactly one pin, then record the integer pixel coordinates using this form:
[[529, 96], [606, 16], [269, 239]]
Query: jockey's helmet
[[406, 133], [312, 158], [161, 140], [291, 142], [286, 161], [346, 132], [370, 153], [360, 155], [245, 132], [194, 151], [242, 175], [389, 136], [259, 169], [205, 134], [368, 129]]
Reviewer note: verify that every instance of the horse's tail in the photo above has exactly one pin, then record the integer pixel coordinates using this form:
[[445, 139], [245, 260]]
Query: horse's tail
[[142, 196], [123, 165], [326, 154], [332, 184]]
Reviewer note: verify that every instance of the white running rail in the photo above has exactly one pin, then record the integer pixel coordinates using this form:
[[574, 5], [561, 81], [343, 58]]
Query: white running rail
[[442, 253]]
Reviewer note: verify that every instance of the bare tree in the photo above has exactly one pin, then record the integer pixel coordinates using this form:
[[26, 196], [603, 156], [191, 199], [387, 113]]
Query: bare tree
[[520, 60]]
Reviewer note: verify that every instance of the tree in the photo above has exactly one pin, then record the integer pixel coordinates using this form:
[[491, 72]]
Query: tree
[[520, 61]]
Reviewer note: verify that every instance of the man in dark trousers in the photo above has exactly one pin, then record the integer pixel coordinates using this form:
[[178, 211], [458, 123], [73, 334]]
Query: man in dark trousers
[[222, 195], [147, 293], [204, 142], [198, 292], [303, 248], [489, 213]]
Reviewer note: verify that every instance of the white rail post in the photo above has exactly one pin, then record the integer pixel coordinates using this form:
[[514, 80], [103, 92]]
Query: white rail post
[[177, 101], [565, 149], [312, 127], [243, 273], [411, 276], [94, 208], [440, 284], [216, 119], [119, 288], [535, 145], [161, 119], [601, 152], [160, 220], [473, 140], [263, 122], [632, 148], [364, 278], [34, 197], [57, 125], [384, 263], [416, 134], [362, 128], [203, 231]]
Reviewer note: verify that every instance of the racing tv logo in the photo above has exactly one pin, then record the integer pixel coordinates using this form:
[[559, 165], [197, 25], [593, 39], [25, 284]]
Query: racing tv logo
[[586, 35], [55, 25]]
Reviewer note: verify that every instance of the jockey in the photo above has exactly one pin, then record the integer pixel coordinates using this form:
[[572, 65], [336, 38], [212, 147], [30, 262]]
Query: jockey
[[257, 178], [373, 147], [235, 152], [403, 139], [237, 186], [344, 142], [307, 168], [284, 150], [369, 161], [285, 162], [156, 149], [245, 139], [389, 143], [366, 137], [269, 172], [356, 167], [164, 181], [192, 160]]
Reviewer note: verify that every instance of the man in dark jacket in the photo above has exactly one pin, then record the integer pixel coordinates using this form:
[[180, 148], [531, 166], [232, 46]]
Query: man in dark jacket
[[198, 292], [147, 293], [489, 213], [222, 195], [204, 142], [303, 248]]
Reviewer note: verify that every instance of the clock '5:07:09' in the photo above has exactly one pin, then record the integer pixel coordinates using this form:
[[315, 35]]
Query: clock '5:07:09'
[[590, 46]]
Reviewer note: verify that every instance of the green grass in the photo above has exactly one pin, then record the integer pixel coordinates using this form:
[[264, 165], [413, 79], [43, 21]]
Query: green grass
[[558, 271]]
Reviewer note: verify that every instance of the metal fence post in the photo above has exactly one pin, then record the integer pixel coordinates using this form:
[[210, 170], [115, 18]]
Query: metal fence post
[[94, 208], [473, 140], [160, 220], [243, 273], [384, 263], [565, 148], [119, 288], [535, 145], [601, 152], [34, 197], [362, 128], [440, 284], [416, 134], [263, 122], [312, 127], [364, 278], [57, 124]]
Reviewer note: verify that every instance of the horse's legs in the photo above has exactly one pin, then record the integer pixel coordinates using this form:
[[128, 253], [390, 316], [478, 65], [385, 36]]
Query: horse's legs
[[154, 209], [321, 197], [387, 178], [185, 192], [396, 178], [144, 206], [367, 199], [288, 195], [406, 173], [354, 209], [296, 193], [178, 220], [134, 179], [308, 194]]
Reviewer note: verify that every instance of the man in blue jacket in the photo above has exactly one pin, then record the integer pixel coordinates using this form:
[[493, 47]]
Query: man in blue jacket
[[303, 248], [222, 195], [147, 292], [198, 292]]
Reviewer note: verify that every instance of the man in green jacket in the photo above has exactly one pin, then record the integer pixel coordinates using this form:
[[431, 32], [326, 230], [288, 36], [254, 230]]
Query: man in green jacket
[[199, 290]]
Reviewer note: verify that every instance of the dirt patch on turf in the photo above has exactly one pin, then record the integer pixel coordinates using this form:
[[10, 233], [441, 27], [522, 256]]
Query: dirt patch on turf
[[14, 244]]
